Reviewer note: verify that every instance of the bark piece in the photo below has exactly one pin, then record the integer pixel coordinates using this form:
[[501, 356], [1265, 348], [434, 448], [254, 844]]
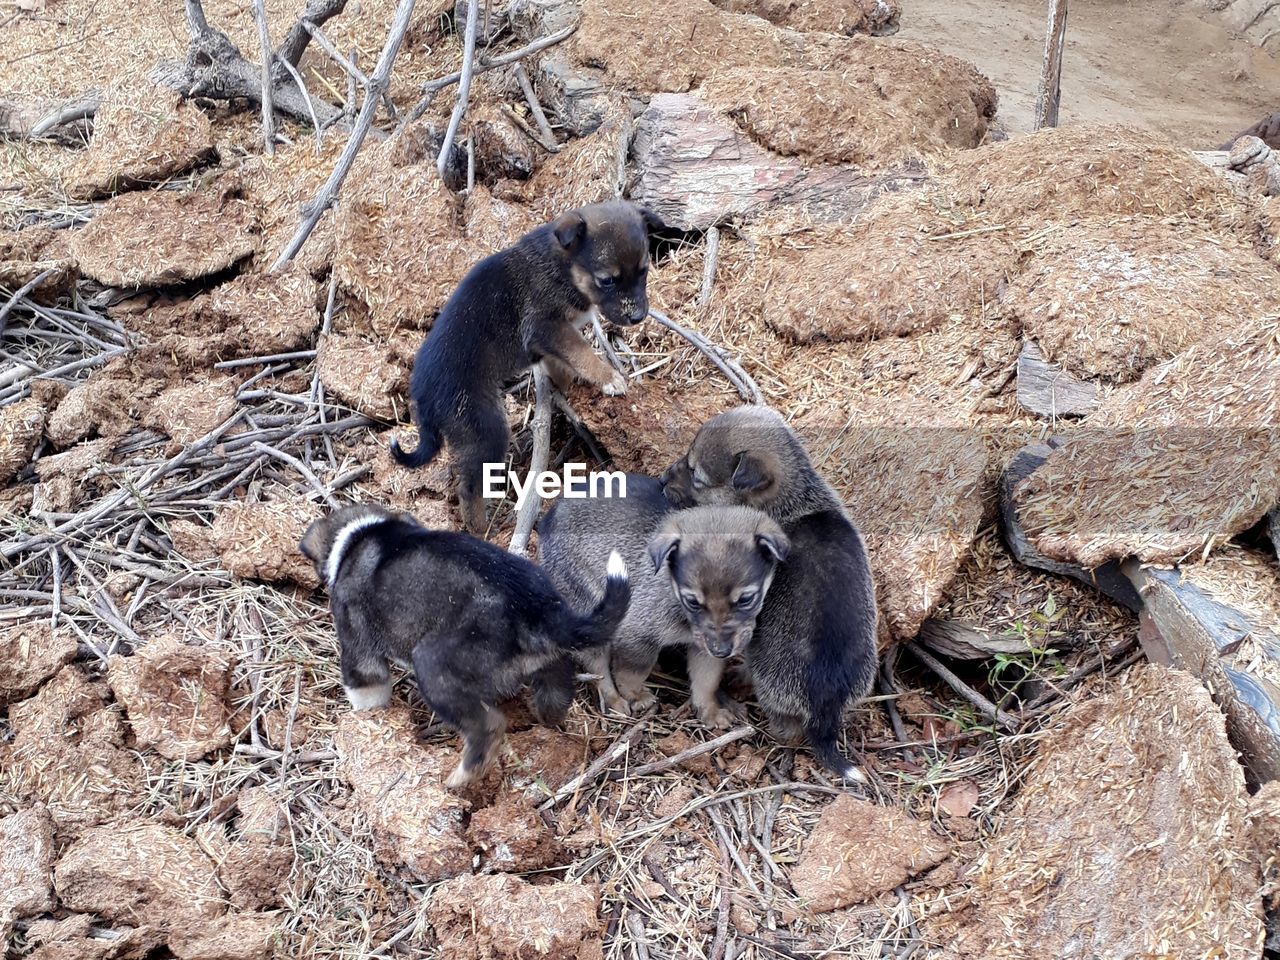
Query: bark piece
[[1047, 390]]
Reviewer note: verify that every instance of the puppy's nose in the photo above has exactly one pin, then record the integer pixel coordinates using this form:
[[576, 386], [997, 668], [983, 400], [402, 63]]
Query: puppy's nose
[[721, 644], [637, 312]]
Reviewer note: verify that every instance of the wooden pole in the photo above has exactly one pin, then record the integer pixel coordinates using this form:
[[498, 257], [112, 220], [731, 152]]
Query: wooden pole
[[1049, 95]]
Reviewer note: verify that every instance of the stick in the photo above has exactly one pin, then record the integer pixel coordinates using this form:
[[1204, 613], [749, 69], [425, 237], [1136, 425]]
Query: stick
[[377, 84], [741, 380], [1049, 93], [614, 360], [528, 513], [697, 750], [303, 469], [316, 14], [981, 703], [709, 266], [268, 108], [273, 358], [535, 107], [311, 107], [726, 877], [464, 85], [589, 775], [22, 291]]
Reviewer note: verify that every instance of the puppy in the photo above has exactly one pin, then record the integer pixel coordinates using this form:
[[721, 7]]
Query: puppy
[[474, 621], [515, 308], [712, 565], [815, 639]]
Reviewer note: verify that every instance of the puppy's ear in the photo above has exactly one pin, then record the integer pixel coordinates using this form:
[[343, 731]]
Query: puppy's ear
[[569, 230], [756, 473], [773, 543], [663, 548], [652, 222], [312, 544], [676, 483]]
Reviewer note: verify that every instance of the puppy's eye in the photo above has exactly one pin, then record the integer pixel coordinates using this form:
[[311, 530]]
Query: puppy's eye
[[691, 601], [604, 281], [746, 601]]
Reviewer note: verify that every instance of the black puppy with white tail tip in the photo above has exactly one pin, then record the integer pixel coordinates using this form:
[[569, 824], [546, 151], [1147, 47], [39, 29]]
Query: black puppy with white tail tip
[[475, 622]]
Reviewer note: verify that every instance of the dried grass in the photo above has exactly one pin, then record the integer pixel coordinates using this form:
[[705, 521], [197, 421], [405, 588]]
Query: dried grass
[[827, 16]]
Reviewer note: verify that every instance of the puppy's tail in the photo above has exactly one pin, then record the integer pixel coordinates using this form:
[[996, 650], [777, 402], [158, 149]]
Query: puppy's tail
[[429, 443], [829, 755], [599, 626]]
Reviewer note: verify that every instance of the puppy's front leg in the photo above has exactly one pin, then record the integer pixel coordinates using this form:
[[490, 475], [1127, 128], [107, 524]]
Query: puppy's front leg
[[565, 345], [705, 672], [481, 736]]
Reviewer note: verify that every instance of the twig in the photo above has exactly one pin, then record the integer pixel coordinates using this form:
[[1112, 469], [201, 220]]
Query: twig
[[272, 358], [377, 84], [56, 559], [541, 425], [709, 266], [316, 14], [464, 85], [697, 750], [535, 108], [311, 107], [268, 108], [21, 292], [726, 878], [977, 700], [600, 763], [302, 468], [614, 360], [741, 380]]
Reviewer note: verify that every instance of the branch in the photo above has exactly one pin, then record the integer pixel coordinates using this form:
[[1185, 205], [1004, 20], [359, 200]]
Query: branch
[[741, 380], [528, 514], [316, 14], [464, 84], [268, 110], [373, 93]]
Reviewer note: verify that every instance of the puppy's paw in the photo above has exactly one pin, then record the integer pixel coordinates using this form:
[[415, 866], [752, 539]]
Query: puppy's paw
[[642, 702], [615, 387], [460, 778], [617, 706], [718, 717]]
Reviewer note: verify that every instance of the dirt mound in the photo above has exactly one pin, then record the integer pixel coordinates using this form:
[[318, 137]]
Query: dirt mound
[[140, 874], [26, 864], [512, 838], [398, 238], [253, 315], [399, 785], [25, 254], [165, 237], [829, 16], [1183, 459], [21, 427], [898, 270], [31, 654], [651, 426], [1126, 774], [881, 104], [141, 137], [1082, 171], [1108, 299], [109, 404], [175, 697], [66, 479], [236, 936], [501, 917], [861, 849], [67, 753], [365, 376], [259, 541]]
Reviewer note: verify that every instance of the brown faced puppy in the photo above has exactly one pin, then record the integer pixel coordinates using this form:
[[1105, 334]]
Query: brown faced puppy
[[515, 308], [815, 639], [712, 568], [475, 622]]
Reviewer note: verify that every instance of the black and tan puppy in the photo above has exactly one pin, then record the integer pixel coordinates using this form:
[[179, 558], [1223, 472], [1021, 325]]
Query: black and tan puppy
[[815, 642], [515, 308], [475, 622], [712, 568]]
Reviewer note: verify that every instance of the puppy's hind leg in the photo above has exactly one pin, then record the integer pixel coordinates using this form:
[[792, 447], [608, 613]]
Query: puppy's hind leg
[[823, 731], [366, 678], [461, 707], [482, 437], [553, 691]]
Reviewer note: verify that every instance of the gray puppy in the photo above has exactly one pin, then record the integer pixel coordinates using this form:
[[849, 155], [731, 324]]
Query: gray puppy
[[815, 646], [475, 621], [712, 568]]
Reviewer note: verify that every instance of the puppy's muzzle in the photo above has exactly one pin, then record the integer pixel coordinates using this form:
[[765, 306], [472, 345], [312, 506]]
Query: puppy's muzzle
[[724, 644]]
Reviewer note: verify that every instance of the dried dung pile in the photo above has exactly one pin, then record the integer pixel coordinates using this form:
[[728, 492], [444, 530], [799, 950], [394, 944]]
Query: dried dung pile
[[586, 170], [32, 653], [26, 254], [826, 16], [505, 918], [255, 858], [165, 237], [259, 541], [106, 405], [1133, 810], [21, 427], [142, 136], [1108, 299], [26, 865], [1168, 467], [365, 376]]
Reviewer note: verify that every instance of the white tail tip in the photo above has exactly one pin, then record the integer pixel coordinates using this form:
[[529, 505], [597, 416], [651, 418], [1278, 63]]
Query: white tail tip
[[854, 773], [617, 570]]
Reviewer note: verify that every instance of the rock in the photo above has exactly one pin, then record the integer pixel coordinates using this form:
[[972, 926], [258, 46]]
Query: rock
[[860, 849], [236, 936], [67, 753], [512, 838], [1259, 164], [259, 541], [165, 237], [695, 169], [1267, 130], [965, 641], [1047, 390], [175, 697], [1108, 578], [139, 873], [31, 654], [21, 427], [141, 138], [399, 785], [1220, 620], [1126, 773], [26, 863], [365, 376], [500, 917]]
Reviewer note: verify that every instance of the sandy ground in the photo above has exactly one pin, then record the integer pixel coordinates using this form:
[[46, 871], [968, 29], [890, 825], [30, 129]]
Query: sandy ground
[[1170, 67]]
